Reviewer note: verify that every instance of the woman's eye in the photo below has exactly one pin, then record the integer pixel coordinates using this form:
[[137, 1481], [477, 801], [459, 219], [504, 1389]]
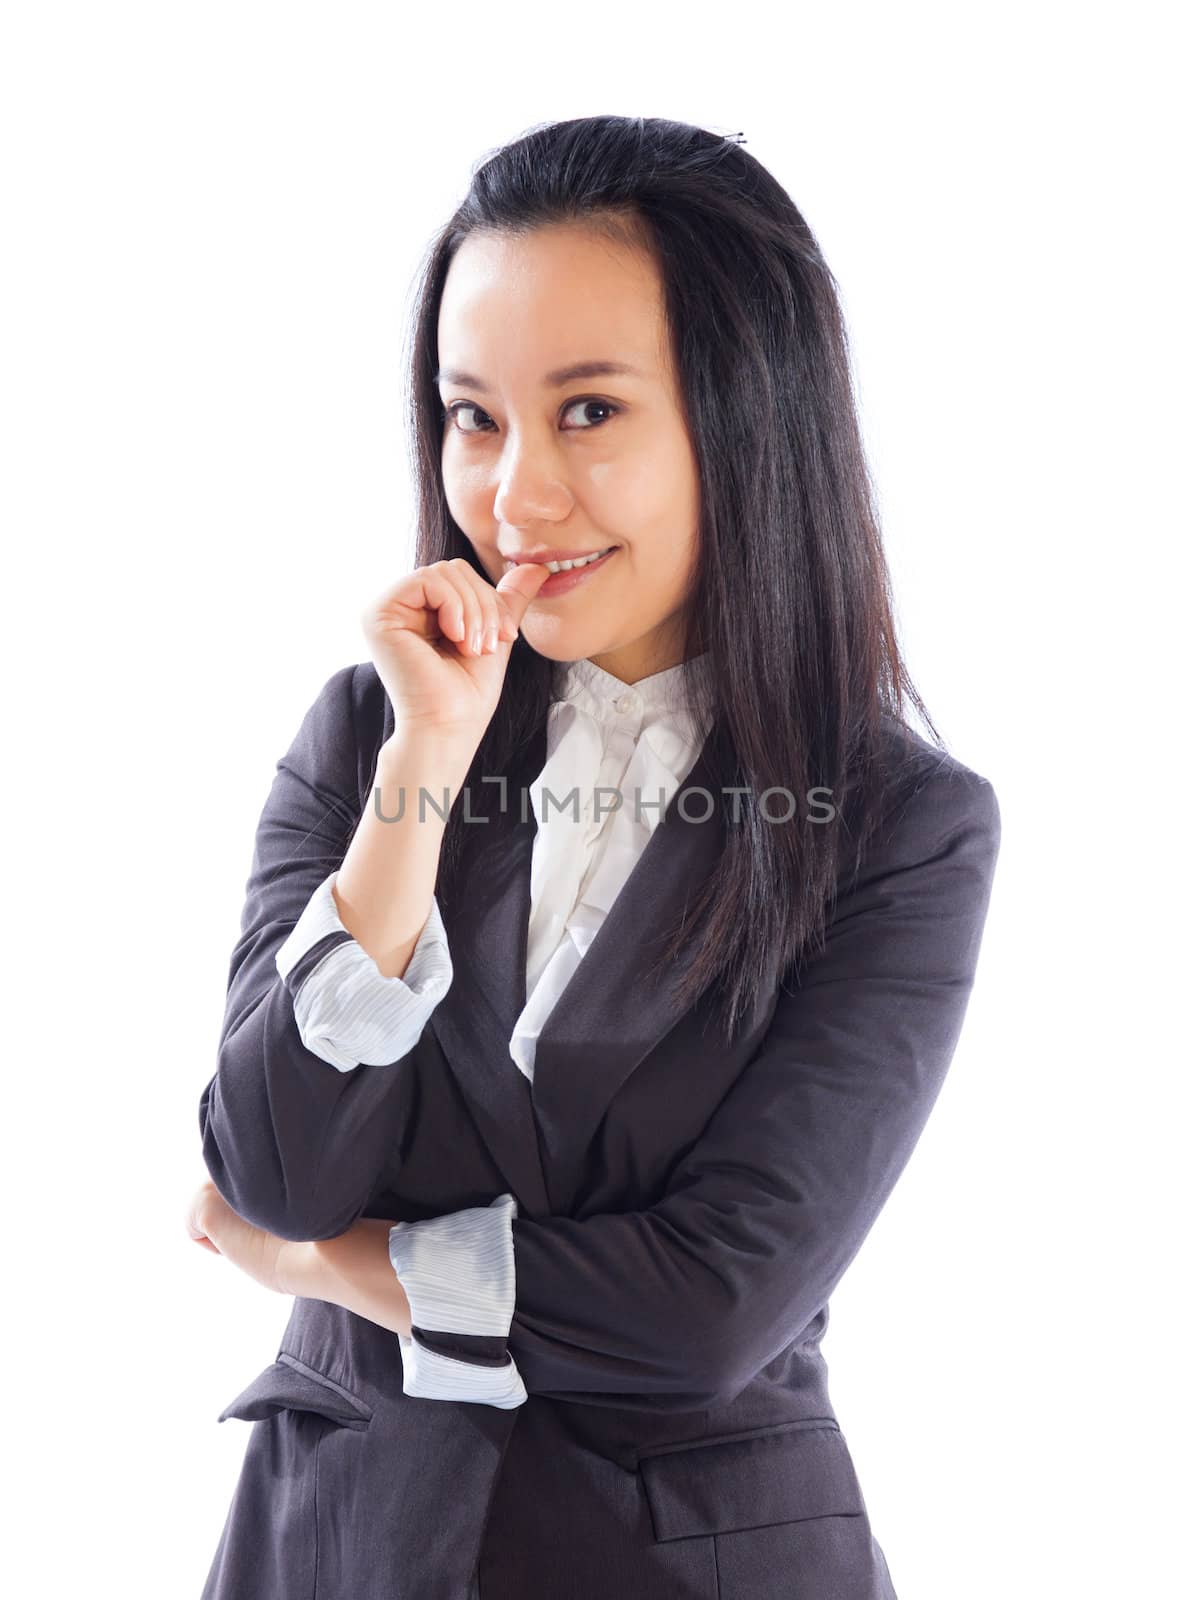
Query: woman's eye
[[458, 409], [604, 404], [461, 408]]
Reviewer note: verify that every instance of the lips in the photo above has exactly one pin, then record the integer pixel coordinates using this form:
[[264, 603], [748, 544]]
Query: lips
[[560, 582], [562, 563]]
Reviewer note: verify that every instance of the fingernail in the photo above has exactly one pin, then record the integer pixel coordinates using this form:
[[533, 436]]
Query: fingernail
[[477, 638]]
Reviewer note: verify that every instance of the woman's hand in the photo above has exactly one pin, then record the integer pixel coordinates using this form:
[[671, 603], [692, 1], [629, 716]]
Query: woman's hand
[[422, 631], [354, 1270], [213, 1223]]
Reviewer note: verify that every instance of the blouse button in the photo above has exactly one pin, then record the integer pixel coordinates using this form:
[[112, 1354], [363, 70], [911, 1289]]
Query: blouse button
[[625, 703]]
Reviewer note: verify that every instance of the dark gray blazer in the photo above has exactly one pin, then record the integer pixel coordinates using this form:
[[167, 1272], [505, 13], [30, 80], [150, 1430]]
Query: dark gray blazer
[[685, 1209]]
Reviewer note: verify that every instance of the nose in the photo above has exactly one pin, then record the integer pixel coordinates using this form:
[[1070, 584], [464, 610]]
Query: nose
[[530, 487]]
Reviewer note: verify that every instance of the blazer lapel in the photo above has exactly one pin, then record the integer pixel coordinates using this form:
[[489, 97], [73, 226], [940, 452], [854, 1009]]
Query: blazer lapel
[[610, 1015], [486, 934], [614, 1011]]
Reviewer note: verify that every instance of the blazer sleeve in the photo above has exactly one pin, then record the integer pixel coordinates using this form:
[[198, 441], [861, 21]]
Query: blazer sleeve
[[680, 1305], [310, 1095]]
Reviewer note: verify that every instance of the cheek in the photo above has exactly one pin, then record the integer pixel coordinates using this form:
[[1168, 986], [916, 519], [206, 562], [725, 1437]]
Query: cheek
[[652, 501], [641, 492], [467, 490]]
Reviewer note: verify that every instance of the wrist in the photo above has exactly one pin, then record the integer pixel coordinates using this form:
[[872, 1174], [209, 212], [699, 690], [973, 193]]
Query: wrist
[[432, 759], [410, 763], [302, 1270], [427, 750], [354, 1270]]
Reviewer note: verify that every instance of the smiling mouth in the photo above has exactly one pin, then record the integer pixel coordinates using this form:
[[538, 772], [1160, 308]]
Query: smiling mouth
[[568, 566], [571, 576]]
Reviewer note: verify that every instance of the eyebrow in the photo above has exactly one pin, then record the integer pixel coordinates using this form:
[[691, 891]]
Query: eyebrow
[[552, 380]]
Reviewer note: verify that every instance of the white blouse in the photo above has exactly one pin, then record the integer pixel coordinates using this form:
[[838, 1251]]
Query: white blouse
[[616, 754]]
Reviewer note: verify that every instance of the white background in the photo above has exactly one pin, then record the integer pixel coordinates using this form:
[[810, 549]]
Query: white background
[[214, 216]]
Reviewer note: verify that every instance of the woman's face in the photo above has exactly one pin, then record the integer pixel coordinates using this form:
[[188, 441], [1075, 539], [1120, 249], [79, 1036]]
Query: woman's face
[[537, 460]]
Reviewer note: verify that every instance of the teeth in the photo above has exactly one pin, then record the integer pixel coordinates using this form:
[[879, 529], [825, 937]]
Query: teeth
[[581, 561], [566, 566]]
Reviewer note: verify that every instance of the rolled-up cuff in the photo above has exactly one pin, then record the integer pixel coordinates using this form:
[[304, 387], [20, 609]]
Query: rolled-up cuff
[[459, 1275], [429, 1375], [347, 1012]]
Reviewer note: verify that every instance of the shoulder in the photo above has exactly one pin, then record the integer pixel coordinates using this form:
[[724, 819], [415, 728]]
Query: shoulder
[[369, 701], [340, 734], [355, 696], [913, 764], [371, 716], [931, 797]]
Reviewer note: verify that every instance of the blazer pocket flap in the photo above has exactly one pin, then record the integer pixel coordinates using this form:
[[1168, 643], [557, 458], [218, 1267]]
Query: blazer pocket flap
[[289, 1385], [784, 1474]]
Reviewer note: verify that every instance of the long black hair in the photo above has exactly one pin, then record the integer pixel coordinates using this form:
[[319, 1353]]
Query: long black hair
[[791, 595]]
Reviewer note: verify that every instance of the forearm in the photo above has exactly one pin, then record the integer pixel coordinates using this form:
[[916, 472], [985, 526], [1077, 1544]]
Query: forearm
[[354, 1271], [294, 1133], [385, 885]]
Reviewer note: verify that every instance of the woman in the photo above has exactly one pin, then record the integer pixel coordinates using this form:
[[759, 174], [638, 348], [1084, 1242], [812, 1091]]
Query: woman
[[561, 1121]]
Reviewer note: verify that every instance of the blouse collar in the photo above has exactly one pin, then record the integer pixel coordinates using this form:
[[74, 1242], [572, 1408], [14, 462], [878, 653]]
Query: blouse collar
[[684, 688]]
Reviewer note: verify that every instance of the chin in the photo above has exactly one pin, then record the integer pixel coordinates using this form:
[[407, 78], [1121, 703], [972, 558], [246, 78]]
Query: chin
[[560, 647], [560, 653]]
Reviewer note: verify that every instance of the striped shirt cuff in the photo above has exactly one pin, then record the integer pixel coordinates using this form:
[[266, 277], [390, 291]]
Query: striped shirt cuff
[[347, 1012], [460, 1277]]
